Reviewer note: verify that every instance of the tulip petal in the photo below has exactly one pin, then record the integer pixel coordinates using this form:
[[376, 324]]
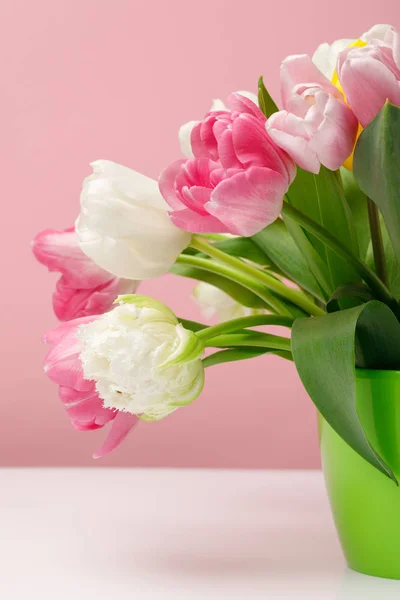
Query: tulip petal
[[254, 148], [120, 427], [60, 251], [248, 201], [246, 104], [334, 139], [85, 409], [292, 135], [190, 221], [368, 77], [185, 133], [325, 56]]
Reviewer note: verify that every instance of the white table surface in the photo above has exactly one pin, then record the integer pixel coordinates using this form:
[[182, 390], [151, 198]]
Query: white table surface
[[116, 534]]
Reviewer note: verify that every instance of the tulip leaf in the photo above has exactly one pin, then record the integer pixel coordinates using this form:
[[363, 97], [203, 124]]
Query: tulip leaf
[[265, 101], [376, 168], [392, 264], [321, 197], [326, 351], [279, 246], [236, 291], [359, 292], [357, 202]]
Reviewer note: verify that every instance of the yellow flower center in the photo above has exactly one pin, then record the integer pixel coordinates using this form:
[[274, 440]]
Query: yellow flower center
[[348, 163]]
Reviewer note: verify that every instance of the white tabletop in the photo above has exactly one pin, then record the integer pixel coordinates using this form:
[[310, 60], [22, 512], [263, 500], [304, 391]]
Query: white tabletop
[[116, 534]]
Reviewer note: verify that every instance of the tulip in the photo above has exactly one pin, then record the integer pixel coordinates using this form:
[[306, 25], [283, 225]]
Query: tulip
[[238, 178], [185, 131], [124, 226], [317, 127], [213, 302], [326, 55], [370, 75], [82, 402], [84, 288], [143, 361]]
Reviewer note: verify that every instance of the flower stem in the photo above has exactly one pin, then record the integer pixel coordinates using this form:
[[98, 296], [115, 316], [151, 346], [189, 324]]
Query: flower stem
[[255, 339], [242, 323], [377, 242], [276, 286], [242, 279], [376, 285], [234, 354]]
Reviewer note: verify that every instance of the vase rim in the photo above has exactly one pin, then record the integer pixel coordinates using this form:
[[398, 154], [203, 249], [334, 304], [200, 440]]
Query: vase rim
[[378, 373]]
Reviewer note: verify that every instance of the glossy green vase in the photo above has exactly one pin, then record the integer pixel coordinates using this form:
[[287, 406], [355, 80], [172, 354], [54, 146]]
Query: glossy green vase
[[365, 503]]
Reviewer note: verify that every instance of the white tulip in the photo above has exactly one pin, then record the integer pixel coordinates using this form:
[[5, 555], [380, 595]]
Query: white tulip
[[186, 130], [124, 225], [142, 359], [213, 302], [325, 56]]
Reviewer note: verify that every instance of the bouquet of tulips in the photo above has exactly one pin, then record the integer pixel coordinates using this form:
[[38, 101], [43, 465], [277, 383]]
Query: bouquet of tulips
[[286, 217]]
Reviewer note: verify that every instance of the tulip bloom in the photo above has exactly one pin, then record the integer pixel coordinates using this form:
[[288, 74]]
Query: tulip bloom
[[370, 75], [185, 131], [316, 127], [238, 178], [79, 395], [84, 288], [326, 55], [124, 226], [143, 361]]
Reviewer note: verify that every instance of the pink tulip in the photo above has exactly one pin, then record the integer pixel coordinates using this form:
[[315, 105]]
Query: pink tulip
[[238, 178], [370, 75], [84, 288], [79, 396], [317, 127]]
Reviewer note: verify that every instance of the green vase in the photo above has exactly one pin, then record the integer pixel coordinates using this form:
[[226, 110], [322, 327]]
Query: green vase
[[365, 503]]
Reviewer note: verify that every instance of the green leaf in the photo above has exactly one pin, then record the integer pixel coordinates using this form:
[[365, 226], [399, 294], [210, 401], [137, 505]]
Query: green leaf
[[359, 292], [265, 101], [237, 292], [243, 248], [357, 201], [321, 198], [327, 349], [376, 167], [235, 354], [278, 245], [392, 264]]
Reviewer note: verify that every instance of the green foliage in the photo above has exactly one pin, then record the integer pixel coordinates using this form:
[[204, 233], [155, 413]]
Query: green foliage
[[281, 249], [376, 168], [237, 292], [327, 349], [321, 198], [265, 101]]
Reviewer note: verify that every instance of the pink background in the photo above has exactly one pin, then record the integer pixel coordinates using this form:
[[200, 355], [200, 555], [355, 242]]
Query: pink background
[[87, 79]]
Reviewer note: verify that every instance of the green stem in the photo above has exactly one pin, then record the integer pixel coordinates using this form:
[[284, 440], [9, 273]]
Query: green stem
[[377, 242], [242, 323], [255, 340], [294, 296], [377, 286], [242, 279], [235, 354]]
